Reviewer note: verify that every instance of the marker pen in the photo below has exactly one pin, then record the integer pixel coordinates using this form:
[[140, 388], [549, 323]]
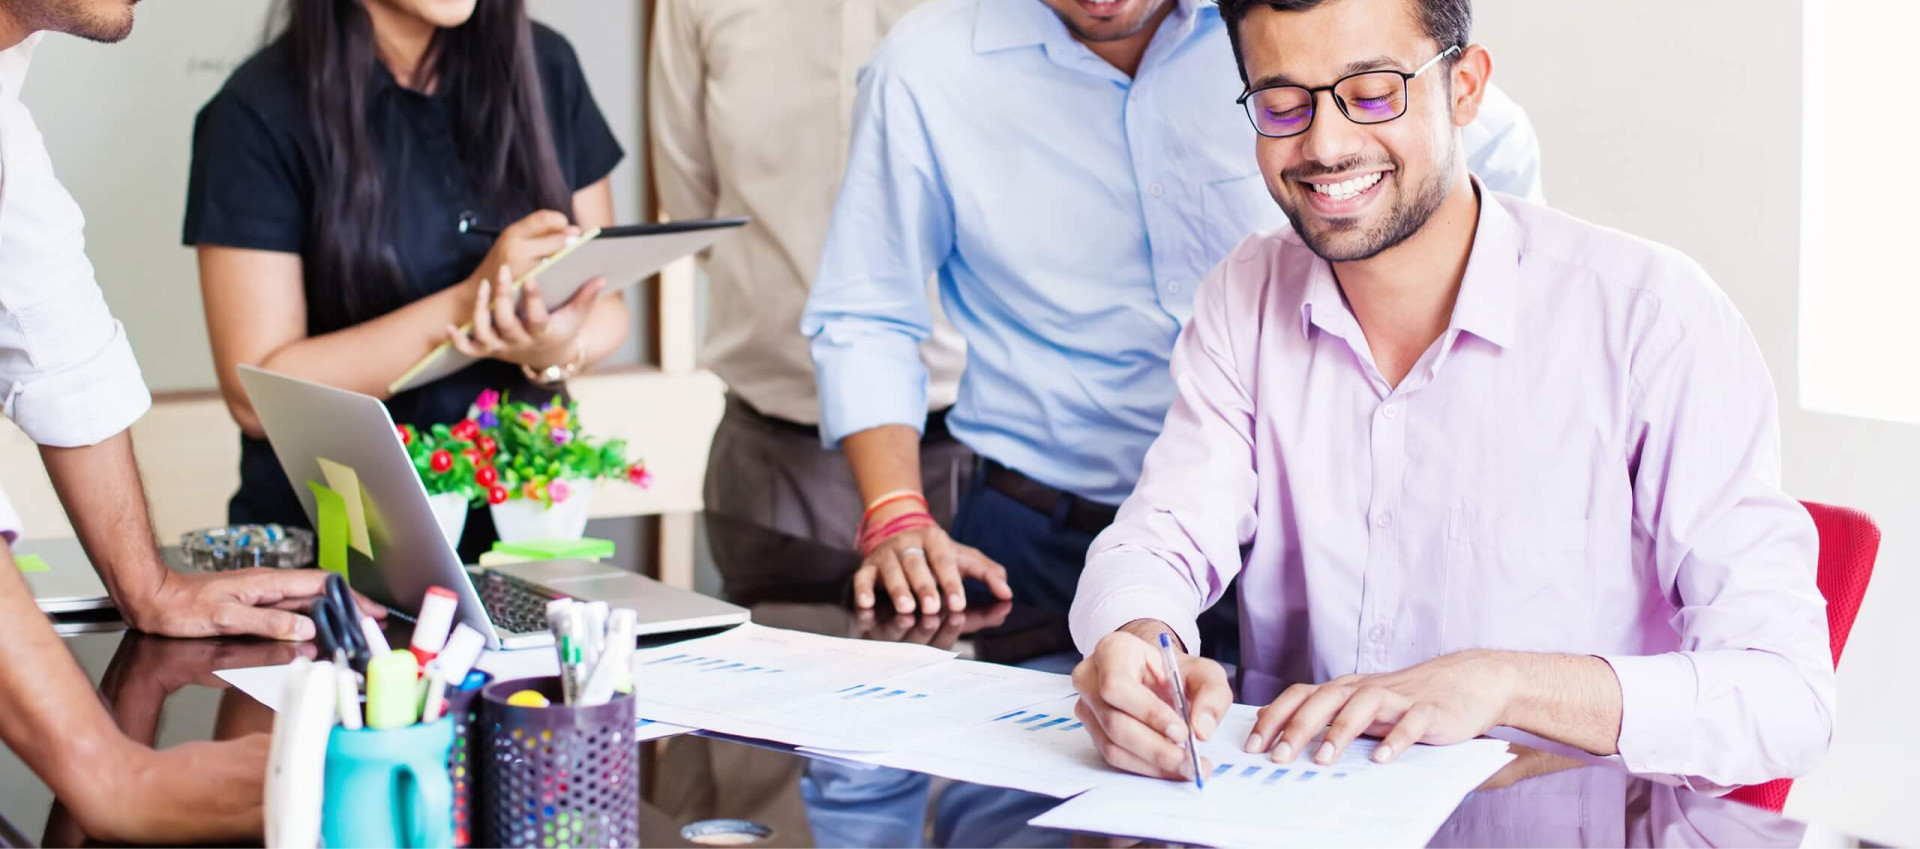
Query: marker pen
[[436, 620]]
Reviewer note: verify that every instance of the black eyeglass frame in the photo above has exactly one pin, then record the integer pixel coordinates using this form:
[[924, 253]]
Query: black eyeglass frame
[[1313, 95]]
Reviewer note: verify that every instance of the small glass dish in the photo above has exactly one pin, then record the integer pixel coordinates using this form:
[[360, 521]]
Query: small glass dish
[[234, 547]]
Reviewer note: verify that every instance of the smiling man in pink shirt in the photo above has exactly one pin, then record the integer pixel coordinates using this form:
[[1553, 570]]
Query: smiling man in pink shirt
[[1474, 463]]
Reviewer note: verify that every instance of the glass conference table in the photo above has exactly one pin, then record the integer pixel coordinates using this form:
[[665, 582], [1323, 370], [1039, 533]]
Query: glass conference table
[[164, 691]]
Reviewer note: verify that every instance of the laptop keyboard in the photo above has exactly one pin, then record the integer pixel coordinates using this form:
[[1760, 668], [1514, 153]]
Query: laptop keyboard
[[514, 605]]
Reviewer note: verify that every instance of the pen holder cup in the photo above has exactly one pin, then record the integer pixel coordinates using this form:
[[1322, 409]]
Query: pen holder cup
[[388, 788], [559, 775], [464, 760]]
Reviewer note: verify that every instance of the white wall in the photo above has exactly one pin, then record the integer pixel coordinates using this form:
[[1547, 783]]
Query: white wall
[[118, 120], [1679, 121]]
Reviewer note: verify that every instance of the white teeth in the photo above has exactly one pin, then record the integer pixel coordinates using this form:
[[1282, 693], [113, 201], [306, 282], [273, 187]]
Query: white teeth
[[1350, 188]]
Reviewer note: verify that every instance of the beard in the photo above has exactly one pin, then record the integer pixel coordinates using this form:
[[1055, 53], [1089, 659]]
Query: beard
[[1353, 241], [93, 20]]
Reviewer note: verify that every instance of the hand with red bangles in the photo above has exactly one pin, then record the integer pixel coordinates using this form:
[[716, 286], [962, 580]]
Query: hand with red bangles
[[906, 552]]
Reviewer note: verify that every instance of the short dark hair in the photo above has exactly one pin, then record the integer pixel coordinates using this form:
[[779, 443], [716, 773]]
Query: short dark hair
[[1448, 22]]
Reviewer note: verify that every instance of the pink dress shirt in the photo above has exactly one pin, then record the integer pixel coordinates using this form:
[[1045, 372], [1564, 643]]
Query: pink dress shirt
[[1586, 461]]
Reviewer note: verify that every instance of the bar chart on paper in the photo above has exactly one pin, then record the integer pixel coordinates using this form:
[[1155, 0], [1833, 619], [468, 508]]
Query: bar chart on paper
[[1037, 720], [1040, 749], [702, 663], [877, 715]]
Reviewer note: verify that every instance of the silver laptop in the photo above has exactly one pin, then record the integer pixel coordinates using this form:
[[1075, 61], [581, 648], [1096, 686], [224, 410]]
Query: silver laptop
[[68, 584], [306, 421]]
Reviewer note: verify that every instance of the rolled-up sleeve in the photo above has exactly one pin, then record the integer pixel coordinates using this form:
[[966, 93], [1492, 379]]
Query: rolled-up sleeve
[[892, 227], [1749, 694], [1176, 543]]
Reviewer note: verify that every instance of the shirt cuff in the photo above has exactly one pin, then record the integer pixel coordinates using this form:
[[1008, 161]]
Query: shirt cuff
[[868, 382], [9, 521], [1657, 693], [1122, 587], [85, 404]]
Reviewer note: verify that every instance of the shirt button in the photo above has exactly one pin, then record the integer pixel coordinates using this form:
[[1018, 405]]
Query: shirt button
[[1377, 634], [1383, 520], [1173, 287], [1156, 190], [1390, 410]]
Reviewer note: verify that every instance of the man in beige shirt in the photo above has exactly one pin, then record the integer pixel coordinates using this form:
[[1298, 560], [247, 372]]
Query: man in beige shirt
[[751, 106]]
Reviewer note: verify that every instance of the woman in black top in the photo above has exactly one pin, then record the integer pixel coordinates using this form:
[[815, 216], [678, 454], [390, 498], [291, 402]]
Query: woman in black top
[[329, 179]]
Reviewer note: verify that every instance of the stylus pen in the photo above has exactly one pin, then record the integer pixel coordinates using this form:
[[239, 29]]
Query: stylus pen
[[470, 224]]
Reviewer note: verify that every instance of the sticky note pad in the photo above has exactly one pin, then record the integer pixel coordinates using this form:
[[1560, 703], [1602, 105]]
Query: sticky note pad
[[343, 480], [332, 530], [558, 549], [31, 563]]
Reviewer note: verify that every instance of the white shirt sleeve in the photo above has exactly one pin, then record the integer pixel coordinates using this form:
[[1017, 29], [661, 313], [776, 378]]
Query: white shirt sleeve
[[67, 372], [9, 521], [1502, 148]]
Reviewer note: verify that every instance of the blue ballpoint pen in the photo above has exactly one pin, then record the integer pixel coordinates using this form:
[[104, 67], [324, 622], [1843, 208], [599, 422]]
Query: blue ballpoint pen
[[1185, 707]]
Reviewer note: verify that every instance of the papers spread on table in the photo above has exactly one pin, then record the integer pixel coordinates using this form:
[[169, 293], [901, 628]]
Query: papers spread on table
[[806, 689], [1249, 800], [1039, 749]]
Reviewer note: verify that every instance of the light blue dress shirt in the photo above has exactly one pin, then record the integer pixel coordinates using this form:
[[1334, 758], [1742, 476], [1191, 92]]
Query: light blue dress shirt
[[1069, 211]]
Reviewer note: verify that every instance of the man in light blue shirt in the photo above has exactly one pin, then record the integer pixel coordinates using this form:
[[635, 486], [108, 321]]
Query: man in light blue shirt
[[1071, 170]]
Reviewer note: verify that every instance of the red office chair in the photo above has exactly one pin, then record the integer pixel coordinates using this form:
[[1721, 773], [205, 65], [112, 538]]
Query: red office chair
[[1848, 542]]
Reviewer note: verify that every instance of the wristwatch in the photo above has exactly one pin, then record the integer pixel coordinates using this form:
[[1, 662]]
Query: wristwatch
[[558, 373]]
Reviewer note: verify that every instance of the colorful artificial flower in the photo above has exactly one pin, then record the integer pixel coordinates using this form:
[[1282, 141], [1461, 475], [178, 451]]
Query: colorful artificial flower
[[488, 445], [486, 476], [466, 430], [406, 434], [560, 435], [557, 416], [498, 495], [558, 491], [529, 418], [638, 475], [488, 401], [441, 460], [487, 420]]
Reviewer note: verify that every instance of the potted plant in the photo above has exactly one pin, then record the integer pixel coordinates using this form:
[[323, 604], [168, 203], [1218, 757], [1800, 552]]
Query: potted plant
[[543, 466], [451, 470]]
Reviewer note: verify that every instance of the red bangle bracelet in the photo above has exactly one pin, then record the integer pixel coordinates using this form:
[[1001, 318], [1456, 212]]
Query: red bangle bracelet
[[870, 538], [894, 498]]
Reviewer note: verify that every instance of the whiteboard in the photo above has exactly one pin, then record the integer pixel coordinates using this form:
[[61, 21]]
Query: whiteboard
[[118, 121]]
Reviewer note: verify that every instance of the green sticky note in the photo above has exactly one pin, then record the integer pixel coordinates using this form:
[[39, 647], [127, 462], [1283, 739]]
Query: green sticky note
[[558, 549], [31, 563], [332, 533]]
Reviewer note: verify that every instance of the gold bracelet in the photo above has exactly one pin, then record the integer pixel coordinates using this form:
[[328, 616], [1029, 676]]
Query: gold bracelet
[[558, 373]]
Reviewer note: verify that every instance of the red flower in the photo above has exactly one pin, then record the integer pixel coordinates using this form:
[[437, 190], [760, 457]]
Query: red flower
[[441, 460], [638, 475], [465, 430], [497, 495], [486, 477], [472, 455], [406, 434], [487, 445]]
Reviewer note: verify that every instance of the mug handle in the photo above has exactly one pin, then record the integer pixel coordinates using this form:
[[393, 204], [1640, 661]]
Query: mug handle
[[424, 808]]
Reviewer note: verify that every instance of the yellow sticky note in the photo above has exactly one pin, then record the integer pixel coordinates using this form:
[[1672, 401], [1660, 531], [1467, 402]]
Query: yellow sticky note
[[332, 530], [31, 563], [344, 481]]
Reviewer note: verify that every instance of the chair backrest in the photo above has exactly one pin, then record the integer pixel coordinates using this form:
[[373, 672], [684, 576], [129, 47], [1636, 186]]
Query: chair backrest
[[1849, 541]]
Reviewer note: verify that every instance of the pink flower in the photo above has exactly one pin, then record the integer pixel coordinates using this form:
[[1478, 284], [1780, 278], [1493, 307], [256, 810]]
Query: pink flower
[[561, 435], [488, 400], [558, 491], [529, 419]]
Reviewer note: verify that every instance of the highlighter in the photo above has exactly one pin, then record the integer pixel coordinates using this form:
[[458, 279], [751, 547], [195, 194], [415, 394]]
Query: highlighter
[[436, 620], [393, 690]]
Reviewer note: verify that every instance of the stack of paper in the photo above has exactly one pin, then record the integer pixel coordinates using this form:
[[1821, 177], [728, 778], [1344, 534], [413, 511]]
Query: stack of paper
[[1039, 749]]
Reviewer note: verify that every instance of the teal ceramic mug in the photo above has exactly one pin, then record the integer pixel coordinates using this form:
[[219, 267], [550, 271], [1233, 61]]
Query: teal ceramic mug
[[389, 788]]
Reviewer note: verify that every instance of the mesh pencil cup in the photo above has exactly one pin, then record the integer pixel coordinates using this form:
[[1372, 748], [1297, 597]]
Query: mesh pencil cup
[[463, 761], [558, 775]]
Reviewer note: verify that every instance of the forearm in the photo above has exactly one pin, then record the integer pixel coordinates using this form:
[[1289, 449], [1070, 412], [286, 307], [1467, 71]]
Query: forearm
[[885, 459], [369, 356], [99, 486], [1571, 699], [49, 715]]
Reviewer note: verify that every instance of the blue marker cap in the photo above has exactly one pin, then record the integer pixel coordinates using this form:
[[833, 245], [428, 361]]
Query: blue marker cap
[[475, 680]]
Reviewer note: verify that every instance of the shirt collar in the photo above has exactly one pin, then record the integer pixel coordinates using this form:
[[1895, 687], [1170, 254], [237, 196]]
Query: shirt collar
[[1006, 24], [1487, 306], [13, 65]]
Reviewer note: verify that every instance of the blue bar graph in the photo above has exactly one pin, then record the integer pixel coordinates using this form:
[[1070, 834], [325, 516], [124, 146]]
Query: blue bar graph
[[862, 691], [709, 664], [1041, 721], [1273, 775]]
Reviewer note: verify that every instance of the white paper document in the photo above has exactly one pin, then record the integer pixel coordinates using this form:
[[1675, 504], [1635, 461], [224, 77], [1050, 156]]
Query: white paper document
[[1039, 749], [883, 714], [1249, 800]]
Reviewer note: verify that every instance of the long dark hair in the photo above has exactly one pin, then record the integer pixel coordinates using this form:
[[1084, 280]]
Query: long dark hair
[[486, 68]]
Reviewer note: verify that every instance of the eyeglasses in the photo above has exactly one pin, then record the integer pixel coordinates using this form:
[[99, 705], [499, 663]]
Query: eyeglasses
[[1369, 97]]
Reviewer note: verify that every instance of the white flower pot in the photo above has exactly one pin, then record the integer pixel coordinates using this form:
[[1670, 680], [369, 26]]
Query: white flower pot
[[523, 519], [450, 510]]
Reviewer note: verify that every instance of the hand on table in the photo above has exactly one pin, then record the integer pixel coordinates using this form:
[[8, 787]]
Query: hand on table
[[1127, 702], [250, 602], [926, 565], [939, 630], [1449, 699]]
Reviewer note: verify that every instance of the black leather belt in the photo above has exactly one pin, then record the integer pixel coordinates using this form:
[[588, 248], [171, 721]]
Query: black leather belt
[[1088, 517]]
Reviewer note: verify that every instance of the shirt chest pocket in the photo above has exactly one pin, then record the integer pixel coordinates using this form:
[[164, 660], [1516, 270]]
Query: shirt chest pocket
[[1518, 582]]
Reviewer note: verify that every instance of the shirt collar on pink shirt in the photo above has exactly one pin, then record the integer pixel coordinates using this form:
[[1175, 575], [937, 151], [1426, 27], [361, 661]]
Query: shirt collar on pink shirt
[[1488, 305]]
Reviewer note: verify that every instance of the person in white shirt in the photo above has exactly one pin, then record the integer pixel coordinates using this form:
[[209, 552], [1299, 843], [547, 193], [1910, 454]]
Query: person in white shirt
[[750, 111], [69, 380]]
